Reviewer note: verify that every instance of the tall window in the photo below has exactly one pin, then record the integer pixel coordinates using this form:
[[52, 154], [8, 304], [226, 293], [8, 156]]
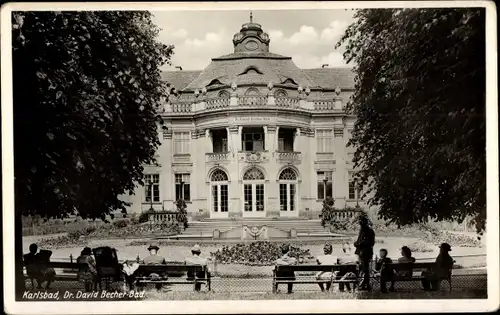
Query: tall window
[[181, 142], [354, 192], [182, 187], [288, 183], [219, 182], [152, 187], [324, 140], [253, 139], [322, 189], [253, 190]]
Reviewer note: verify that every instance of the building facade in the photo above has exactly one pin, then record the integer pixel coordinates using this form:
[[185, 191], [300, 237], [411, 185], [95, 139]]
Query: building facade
[[252, 135]]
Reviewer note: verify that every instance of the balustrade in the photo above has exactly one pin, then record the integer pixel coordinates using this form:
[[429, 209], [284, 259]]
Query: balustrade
[[289, 156], [216, 103], [324, 105], [217, 156], [252, 100], [181, 107], [287, 102]]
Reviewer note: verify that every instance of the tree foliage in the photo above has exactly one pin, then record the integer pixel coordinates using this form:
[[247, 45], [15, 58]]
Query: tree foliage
[[87, 87], [420, 105]]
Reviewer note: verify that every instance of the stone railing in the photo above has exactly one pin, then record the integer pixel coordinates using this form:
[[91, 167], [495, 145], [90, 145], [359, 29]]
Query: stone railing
[[217, 156], [345, 214], [181, 107], [216, 103], [163, 216], [288, 156], [324, 105], [252, 101], [287, 102]]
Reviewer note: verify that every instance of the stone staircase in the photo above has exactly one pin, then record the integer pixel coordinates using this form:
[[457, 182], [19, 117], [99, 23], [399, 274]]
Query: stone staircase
[[207, 226]]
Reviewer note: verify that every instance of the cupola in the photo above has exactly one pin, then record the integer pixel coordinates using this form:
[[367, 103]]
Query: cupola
[[251, 38]]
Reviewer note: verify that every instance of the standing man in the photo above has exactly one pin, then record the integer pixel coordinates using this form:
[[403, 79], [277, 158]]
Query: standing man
[[364, 249], [195, 259]]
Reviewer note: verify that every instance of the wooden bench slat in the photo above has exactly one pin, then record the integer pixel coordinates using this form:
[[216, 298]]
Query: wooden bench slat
[[350, 267]]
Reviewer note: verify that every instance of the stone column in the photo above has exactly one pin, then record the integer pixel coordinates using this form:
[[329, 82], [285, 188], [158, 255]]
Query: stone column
[[238, 140], [297, 146], [340, 182], [267, 142], [229, 142], [208, 141], [276, 139]]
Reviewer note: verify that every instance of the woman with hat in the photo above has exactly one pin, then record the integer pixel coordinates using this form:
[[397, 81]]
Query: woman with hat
[[88, 272], [155, 259], [442, 268], [195, 259], [286, 260], [326, 259]]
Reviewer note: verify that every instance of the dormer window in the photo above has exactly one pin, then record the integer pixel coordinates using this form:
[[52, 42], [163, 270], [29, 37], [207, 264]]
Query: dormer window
[[289, 81], [251, 69], [214, 82]]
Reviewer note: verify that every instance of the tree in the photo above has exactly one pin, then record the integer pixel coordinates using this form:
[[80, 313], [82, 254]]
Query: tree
[[420, 105], [87, 87]]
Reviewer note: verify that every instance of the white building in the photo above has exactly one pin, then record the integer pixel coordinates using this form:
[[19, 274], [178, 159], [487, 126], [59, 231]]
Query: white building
[[252, 135]]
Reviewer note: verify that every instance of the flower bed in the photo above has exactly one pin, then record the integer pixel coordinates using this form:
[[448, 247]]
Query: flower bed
[[261, 253], [453, 239], [83, 236]]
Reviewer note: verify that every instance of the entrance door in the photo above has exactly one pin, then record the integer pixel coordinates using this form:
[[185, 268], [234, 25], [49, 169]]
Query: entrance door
[[219, 194], [288, 193], [254, 202]]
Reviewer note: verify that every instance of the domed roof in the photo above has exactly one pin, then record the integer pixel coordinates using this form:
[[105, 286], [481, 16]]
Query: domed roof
[[251, 63]]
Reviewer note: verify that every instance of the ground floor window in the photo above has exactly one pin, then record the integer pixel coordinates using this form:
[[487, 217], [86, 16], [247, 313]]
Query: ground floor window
[[288, 185], [253, 190], [355, 193], [219, 182], [182, 187], [152, 187], [325, 184]]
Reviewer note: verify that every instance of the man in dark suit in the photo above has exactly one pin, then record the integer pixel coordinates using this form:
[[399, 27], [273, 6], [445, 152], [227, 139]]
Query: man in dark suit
[[364, 249]]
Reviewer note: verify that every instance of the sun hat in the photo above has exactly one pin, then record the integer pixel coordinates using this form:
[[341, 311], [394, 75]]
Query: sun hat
[[153, 246], [196, 248]]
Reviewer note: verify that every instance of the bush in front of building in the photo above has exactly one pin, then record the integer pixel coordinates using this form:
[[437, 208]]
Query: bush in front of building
[[182, 213]]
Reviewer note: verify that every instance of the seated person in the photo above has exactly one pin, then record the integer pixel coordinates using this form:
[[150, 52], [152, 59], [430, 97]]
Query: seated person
[[129, 270], [195, 259], [46, 274], [155, 259], [443, 265], [326, 259], [286, 260], [88, 274], [347, 258], [404, 259], [32, 268], [386, 273]]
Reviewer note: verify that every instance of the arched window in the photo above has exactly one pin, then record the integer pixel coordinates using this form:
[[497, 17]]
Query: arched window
[[251, 92], [223, 94], [220, 196], [289, 81], [251, 69], [253, 192], [214, 82], [280, 93], [218, 176], [288, 190], [288, 174], [253, 174]]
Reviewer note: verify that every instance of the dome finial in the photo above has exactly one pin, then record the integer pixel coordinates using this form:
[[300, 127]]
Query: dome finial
[[251, 17]]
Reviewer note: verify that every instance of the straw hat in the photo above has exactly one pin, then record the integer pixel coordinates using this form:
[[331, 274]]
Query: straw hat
[[153, 246], [196, 248]]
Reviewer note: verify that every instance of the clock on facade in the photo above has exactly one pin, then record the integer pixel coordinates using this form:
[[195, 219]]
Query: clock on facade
[[251, 45]]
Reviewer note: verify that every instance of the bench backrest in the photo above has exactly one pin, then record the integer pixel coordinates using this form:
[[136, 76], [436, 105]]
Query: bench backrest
[[342, 268], [59, 264], [148, 269], [413, 266]]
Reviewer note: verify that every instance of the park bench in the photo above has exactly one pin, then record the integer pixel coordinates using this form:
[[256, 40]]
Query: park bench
[[69, 271], [144, 271], [342, 269], [414, 271]]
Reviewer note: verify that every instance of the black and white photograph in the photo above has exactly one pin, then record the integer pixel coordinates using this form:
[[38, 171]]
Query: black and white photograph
[[269, 157]]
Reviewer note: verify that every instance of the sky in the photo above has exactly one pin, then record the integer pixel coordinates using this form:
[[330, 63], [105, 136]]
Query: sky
[[308, 36]]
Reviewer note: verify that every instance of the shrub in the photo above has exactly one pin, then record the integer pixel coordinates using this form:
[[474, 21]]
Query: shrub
[[182, 213], [120, 223], [420, 247], [144, 217]]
